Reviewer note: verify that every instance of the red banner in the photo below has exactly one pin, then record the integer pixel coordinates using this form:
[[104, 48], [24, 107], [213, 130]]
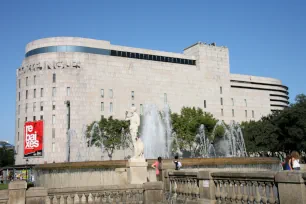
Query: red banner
[[33, 138]]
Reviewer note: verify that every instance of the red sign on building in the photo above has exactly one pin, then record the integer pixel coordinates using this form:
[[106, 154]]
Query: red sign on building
[[33, 138]]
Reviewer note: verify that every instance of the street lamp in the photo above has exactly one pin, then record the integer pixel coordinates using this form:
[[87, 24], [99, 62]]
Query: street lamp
[[27, 160]]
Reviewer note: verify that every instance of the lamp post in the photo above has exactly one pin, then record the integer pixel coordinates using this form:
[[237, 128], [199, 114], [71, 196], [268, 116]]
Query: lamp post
[[68, 128], [27, 160]]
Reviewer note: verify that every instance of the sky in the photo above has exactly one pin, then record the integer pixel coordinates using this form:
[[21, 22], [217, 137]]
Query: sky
[[265, 38]]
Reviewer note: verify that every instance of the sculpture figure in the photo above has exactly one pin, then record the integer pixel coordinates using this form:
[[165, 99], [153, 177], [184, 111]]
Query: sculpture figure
[[134, 124], [138, 149]]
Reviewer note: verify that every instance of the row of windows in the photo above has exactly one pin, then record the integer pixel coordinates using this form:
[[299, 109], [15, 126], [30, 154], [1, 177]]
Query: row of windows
[[42, 93], [258, 83], [152, 57], [118, 53], [233, 113], [263, 89], [41, 107], [232, 99], [34, 80]]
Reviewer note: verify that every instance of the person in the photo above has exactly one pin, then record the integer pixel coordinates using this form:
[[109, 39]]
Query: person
[[295, 161], [157, 166], [177, 163], [287, 165]]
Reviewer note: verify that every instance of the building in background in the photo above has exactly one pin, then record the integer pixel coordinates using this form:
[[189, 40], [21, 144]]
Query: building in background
[[93, 78]]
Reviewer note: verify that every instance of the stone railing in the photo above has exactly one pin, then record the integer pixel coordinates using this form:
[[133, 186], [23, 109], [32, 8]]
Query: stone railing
[[235, 187], [147, 193]]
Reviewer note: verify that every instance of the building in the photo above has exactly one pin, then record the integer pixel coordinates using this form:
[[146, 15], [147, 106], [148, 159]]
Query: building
[[93, 78]]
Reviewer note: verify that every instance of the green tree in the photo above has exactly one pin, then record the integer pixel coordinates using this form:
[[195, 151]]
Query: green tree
[[111, 133], [6, 156], [186, 126]]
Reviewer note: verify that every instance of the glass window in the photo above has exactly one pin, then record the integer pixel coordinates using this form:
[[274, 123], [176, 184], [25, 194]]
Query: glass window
[[53, 91], [68, 91], [41, 117], [26, 119], [26, 94], [158, 58], [128, 54], [220, 89], [18, 96], [233, 113], [165, 98], [18, 135], [245, 102], [26, 81], [221, 101], [145, 56], [34, 106], [110, 107], [162, 59], [141, 56], [53, 119], [222, 114], [204, 103], [246, 113], [102, 93], [61, 48], [132, 95], [119, 53], [42, 92], [26, 107], [53, 133], [34, 79], [132, 55], [102, 106], [123, 54], [18, 109], [154, 57], [111, 93], [232, 102], [18, 122], [141, 109], [253, 114], [150, 57], [41, 106], [34, 94], [133, 105], [19, 83], [53, 105], [34, 118], [54, 78]]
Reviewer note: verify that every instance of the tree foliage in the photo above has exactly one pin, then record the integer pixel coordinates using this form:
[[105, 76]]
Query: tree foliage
[[280, 131], [6, 156], [187, 123], [111, 133]]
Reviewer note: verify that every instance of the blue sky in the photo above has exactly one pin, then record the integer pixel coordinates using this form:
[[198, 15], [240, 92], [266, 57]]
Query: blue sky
[[265, 38]]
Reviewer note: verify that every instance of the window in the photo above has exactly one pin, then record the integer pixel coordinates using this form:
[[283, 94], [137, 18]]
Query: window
[[102, 93], [34, 79], [253, 114], [54, 78], [132, 95], [41, 106], [220, 89], [26, 81], [18, 109], [246, 113], [41, 117], [34, 118], [68, 91], [42, 92], [233, 113], [19, 83], [110, 107], [26, 119], [26, 94], [18, 96], [111, 93], [53, 91], [53, 146], [53, 105], [204, 103], [245, 102], [53, 133], [34, 94], [221, 101], [18, 135], [17, 149], [18, 122], [141, 109], [53, 119], [222, 114], [232, 102], [34, 106], [133, 105], [26, 107], [102, 106], [165, 98]]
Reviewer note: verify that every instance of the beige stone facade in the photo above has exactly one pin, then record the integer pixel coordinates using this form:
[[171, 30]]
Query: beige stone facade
[[101, 79]]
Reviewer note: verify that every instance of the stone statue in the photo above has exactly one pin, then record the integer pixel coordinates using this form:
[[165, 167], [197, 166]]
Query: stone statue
[[134, 124], [138, 149]]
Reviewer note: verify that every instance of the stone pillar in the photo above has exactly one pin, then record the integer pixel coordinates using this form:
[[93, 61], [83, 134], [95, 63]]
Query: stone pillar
[[17, 192], [153, 192], [207, 187], [291, 187], [36, 195], [137, 171]]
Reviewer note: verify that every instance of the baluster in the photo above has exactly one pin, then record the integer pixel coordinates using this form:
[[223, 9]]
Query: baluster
[[223, 191], [96, 198], [54, 200], [233, 192], [178, 190], [218, 192], [90, 198], [83, 199], [244, 191], [47, 200], [140, 192], [197, 189], [189, 189], [76, 199], [174, 189], [239, 194], [227, 190], [258, 196], [70, 199], [271, 198], [251, 193], [62, 200], [264, 197]]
